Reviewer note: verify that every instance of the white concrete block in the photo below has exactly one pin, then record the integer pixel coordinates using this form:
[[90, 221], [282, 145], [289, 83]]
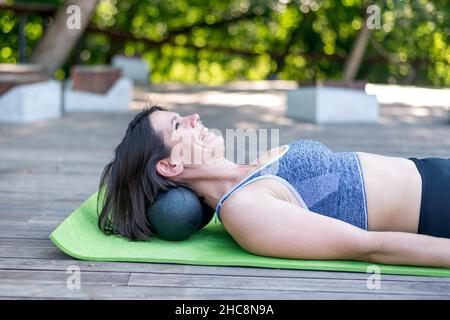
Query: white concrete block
[[322, 104], [135, 69], [117, 99], [31, 102]]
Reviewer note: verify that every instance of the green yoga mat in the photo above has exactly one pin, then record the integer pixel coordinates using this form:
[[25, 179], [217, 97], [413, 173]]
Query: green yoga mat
[[79, 237]]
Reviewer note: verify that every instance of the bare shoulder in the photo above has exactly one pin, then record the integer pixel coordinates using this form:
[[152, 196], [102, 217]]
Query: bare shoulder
[[248, 197], [260, 194], [254, 208], [243, 208]]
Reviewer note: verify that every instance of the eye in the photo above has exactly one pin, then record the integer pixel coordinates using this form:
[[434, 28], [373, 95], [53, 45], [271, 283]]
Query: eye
[[177, 125]]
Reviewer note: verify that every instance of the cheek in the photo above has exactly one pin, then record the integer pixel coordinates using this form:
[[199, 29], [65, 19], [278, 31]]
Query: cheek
[[179, 137], [174, 138], [186, 147]]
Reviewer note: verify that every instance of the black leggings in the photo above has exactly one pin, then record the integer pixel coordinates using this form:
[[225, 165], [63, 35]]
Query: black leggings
[[435, 206]]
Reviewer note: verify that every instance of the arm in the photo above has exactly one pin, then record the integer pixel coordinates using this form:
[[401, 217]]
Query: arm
[[404, 248], [267, 226], [276, 228]]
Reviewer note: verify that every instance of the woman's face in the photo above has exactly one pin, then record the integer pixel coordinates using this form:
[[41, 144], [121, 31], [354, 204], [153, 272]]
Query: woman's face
[[191, 142]]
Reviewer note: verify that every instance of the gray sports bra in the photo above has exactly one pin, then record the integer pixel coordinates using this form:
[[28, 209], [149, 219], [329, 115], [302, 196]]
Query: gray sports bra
[[324, 182]]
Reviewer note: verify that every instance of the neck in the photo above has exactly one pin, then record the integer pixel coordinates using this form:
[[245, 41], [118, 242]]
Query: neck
[[212, 181]]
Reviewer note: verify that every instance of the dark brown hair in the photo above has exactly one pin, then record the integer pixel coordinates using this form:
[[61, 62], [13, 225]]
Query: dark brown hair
[[130, 182]]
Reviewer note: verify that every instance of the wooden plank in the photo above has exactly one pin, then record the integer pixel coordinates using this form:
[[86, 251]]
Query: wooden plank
[[61, 163], [26, 225], [59, 291], [60, 277], [27, 230], [46, 220], [57, 174], [26, 243], [37, 210], [90, 172], [10, 218], [166, 268], [46, 200], [62, 166], [47, 156], [30, 248], [289, 284], [46, 195], [22, 182], [30, 219], [59, 207], [51, 182], [28, 233], [43, 198], [42, 253], [23, 217]]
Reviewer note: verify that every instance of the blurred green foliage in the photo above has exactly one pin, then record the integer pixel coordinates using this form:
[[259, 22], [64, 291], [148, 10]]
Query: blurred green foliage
[[214, 41]]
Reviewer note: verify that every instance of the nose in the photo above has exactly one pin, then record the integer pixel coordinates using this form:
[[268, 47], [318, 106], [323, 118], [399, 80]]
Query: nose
[[194, 119]]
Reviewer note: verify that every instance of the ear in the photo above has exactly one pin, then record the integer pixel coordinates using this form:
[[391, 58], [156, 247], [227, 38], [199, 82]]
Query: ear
[[168, 169]]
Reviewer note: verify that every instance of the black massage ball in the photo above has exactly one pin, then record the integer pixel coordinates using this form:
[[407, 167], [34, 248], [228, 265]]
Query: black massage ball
[[176, 214]]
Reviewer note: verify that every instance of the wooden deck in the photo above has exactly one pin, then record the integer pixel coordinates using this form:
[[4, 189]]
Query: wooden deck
[[47, 169]]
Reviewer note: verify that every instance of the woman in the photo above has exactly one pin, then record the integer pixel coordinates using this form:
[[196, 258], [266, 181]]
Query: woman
[[299, 201]]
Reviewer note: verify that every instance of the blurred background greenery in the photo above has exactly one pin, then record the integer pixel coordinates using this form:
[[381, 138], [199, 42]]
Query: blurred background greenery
[[215, 41]]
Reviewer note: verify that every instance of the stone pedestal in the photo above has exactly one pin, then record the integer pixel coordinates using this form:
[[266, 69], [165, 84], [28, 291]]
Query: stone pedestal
[[31, 102], [133, 68], [332, 102], [99, 88], [27, 94], [12, 75], [116, 99]]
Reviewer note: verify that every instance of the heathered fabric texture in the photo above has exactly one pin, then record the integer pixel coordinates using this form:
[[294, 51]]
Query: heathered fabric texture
[[324, 182]]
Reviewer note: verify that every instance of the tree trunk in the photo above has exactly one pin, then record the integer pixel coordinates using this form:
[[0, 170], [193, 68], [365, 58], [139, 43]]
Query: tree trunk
[[61, 37], [357, 53]]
